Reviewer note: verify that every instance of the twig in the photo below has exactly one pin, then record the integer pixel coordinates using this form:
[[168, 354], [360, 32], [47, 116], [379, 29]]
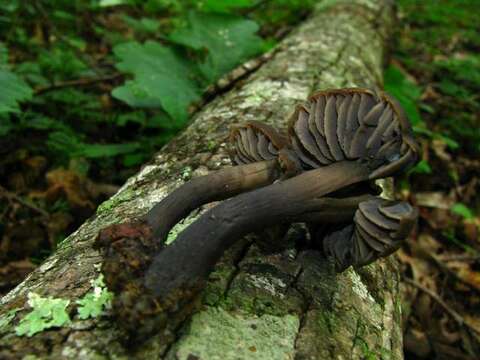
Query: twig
[[17, 198], [443, 267], [455, 315], [459, 257], [76, 82]]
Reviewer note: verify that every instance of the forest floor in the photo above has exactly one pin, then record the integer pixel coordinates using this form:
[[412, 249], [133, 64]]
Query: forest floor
[[437, 58], [55, 172]]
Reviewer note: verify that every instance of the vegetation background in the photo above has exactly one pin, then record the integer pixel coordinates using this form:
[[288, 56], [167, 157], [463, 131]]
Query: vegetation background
[[90, 89]]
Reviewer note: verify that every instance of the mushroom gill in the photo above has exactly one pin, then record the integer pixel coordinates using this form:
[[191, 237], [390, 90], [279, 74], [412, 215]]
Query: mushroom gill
[[353, 125], [380, 226]]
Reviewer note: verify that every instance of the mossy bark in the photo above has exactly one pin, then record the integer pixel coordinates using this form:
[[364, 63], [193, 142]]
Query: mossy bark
[[256, 306]]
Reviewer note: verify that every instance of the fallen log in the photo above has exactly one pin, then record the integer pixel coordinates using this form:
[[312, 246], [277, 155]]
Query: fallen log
[[258, 304]]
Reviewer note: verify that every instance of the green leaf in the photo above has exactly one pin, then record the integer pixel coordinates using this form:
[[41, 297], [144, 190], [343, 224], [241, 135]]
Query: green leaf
[[3, 55], [13, 91], [161, 78], [451, 143], [228, 39], [423, 167], [106, 3], [144, 25], [406, 92], [225, 6], [46, 313], [462, 210], [137, 95], [74, 147], [6, 124]]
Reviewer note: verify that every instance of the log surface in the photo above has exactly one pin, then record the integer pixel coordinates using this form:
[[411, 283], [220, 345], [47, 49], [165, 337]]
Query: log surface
[[287, 305]]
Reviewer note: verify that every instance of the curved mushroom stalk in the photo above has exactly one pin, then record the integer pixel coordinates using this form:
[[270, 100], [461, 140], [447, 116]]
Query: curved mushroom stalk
[[187, 262], [219, 185], [380, 227], [256, 149]]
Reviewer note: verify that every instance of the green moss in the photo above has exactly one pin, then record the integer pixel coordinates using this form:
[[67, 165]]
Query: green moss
[[186, 173], [217, 283], [266, 294], [216, 334], [108, 205], [180, 226]]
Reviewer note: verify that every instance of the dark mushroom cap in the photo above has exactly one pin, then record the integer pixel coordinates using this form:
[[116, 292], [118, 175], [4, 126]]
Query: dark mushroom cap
[[255, 141], [380, 226], [353, 124]]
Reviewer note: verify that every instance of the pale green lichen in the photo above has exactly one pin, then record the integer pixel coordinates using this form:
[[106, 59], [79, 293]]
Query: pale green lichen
[[216, 334], [260, 91], [32, 357], [211, 145], [94, 303], [268, 284], [116, 199], [46, 313], [180, 226]]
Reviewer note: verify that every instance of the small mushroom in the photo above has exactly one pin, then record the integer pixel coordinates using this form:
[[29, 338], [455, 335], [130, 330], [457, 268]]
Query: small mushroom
[[338, 141], [380, 227], [378, 143]]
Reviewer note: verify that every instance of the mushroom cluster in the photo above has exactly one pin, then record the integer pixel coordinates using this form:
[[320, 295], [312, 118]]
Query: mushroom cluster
[[337, 143]]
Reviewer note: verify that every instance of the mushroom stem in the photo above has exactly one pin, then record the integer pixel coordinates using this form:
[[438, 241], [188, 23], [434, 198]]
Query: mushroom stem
[[185, 264], [216, 186], [333, 210]]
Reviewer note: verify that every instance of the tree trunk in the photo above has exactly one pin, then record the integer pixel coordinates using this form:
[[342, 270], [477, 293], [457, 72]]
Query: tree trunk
[[256, 306]]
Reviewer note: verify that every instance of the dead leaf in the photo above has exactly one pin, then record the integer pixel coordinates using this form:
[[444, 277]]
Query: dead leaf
[[432, 199], [416, 342]]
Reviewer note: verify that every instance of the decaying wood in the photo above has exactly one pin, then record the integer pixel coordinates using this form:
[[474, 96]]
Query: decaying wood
[[256, 306]]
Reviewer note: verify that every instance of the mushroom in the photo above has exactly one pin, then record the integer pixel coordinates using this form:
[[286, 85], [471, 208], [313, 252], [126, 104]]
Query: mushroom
[[338, 141], [379, 228]]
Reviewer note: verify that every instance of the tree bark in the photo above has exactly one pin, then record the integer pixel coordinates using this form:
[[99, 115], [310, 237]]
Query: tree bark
[[283, 305]]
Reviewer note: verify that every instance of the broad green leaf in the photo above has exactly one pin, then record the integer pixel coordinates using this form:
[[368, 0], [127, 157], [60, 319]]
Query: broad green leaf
[[13, 91], [136, 95], [143, 25], [228, 39], [161, 78], [405, 91]]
